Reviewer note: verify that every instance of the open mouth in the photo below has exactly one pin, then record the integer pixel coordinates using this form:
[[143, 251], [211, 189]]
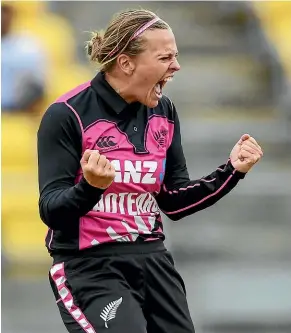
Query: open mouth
[[160, 85]]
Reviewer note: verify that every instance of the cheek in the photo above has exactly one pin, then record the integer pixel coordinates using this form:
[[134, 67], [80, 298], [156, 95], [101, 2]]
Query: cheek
[[148, 76]]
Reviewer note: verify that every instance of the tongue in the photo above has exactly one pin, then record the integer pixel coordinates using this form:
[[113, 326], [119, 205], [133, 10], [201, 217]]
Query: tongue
[[158, 89]]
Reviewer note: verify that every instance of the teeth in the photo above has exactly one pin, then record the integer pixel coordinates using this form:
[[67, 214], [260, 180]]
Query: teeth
[[168, 79]]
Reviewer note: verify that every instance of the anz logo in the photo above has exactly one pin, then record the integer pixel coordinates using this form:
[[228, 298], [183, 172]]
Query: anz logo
[[138, 172]]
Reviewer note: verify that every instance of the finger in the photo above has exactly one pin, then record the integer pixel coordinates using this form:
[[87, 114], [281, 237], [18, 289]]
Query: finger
[[249, 143], [86, 156], [93, 159], [240, 157], [255, 149], [112, 167], [249, 157], [108, 165], [102, 161], [254, 142], [250, 149], [110, 172], [243, 138]]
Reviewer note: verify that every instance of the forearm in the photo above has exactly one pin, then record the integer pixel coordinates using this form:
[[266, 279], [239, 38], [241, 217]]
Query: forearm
[[60, 206], [194, 195], [59, 152]]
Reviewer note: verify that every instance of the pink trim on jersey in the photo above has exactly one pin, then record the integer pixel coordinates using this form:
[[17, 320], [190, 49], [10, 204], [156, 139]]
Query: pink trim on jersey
[[219, 169], [64, 98], [202, 200], [88, 128], [50, 242], [77, 116], [58, 275], [186, 188], [151, 239], [74, 92], [191, 186]]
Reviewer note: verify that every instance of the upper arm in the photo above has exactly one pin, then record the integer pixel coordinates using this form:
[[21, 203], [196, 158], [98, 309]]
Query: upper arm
[[59, 148], [176, 170]]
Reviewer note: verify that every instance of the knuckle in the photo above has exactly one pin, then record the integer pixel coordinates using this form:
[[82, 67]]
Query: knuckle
[[111, 175], [100, 171], [90, 169]]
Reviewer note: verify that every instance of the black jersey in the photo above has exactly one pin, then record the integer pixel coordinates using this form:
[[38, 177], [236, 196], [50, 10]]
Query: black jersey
[[144, 146]]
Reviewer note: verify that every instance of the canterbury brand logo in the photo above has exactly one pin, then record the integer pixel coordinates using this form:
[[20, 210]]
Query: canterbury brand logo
[[106, 142], [109, 312]]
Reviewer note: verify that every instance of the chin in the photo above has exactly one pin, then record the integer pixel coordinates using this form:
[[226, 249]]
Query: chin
[[152, 104]]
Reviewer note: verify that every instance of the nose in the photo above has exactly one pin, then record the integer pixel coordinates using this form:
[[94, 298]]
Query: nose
[[175, 66]]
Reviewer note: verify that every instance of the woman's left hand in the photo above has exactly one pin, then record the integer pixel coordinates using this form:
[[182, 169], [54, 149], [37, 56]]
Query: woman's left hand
[[245, 154]]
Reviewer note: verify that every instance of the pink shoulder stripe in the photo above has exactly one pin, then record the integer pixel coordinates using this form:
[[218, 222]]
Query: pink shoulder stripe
[[74, 92]]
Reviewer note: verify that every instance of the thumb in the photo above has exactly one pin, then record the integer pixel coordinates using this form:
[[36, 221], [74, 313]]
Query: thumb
[[85, 157], [244, 137]]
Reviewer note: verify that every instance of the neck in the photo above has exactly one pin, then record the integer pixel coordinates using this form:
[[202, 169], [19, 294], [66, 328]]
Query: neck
[[121, 86]]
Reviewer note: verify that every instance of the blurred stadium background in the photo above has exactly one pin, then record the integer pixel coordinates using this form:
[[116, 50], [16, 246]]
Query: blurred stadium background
[[235, 78]]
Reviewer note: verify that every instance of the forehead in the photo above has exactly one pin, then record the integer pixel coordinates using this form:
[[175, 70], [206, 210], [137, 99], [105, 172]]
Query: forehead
[[160, 41]]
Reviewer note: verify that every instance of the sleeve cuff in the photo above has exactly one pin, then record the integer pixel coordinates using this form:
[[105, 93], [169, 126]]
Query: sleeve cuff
[[89, 189], [238, 174]]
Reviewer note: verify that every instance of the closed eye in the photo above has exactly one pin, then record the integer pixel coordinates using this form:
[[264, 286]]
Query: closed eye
[[169, 57], [166, 58]]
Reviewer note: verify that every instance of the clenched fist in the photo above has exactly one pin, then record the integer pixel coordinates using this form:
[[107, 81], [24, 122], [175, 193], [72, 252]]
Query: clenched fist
[[245, 154], [97, 170]]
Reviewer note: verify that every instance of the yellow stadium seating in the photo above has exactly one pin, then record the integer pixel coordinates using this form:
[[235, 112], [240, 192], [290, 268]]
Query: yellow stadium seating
[[65, 78], [54, 34], [275, 17], [27, 8], [18, 143], [22, 230]]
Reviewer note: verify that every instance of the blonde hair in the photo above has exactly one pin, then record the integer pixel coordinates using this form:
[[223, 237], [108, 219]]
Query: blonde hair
[[122, 36]]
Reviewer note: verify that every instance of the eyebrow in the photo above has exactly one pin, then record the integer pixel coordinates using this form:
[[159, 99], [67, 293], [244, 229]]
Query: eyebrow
[[167, 53]]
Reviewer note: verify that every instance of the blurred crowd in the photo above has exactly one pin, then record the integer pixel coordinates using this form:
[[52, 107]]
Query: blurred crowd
[[38, 64]]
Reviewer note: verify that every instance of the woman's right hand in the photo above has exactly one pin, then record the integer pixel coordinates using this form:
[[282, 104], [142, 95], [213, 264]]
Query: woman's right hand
[[97, 170]]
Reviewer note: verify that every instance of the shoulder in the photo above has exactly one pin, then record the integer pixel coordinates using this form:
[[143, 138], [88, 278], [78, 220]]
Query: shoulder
[[74, 93], [59, 116], [57, 110]]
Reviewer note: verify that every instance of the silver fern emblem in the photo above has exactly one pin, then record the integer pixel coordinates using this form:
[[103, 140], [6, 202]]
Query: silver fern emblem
[[109, 312]]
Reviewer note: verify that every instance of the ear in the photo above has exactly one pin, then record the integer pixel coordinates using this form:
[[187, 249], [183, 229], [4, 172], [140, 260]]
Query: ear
[[125, 63]]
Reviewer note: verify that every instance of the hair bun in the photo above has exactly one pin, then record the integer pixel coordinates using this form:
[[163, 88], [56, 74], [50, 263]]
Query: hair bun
[[89, 48], [94, 45]]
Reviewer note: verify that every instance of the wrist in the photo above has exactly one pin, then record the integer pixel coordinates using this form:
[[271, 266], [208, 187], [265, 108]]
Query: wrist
[[238, 171], [90, 187]]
